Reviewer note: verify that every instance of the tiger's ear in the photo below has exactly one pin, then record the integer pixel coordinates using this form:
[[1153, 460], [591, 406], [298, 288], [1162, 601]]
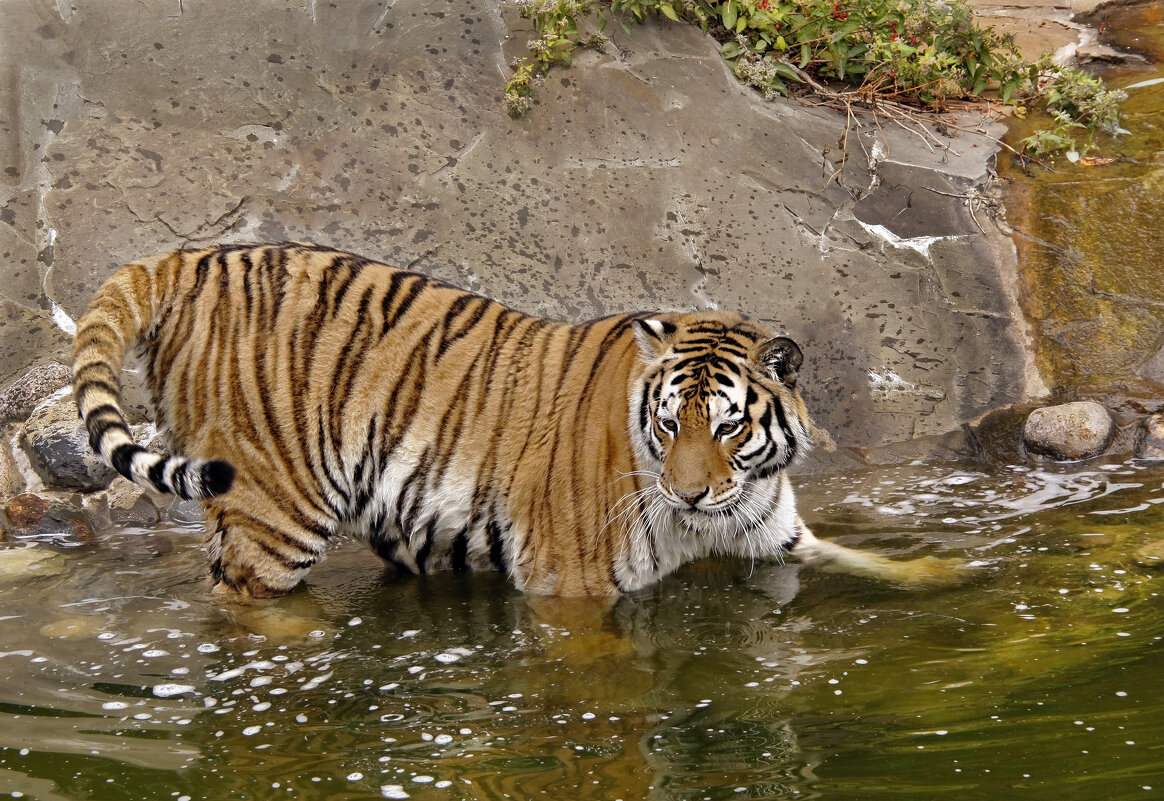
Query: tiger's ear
[[782, 358], [654, 337]]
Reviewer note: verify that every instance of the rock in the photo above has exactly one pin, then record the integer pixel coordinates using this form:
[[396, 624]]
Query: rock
[[1153, 369], [11, 481], [1151, 446], [21, 394], [20, 564], [1127, 399], [997, 436], [1151, 553], [124, 503], [1069, 432], [74, 628], [644, 176], [58, 449], [36, 516]]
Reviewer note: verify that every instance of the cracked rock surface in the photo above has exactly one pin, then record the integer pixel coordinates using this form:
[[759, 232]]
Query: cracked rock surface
[[644, 177]]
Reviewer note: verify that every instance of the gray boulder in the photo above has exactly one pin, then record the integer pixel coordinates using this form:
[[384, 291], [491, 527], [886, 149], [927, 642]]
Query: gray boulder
[[1069, 432], [58, 449]]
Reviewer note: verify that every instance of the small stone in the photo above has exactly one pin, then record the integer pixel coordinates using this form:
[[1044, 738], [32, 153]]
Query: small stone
[[1069, 432], [33, 516], [21, 564], [21, 395], [74, 628], [1150, 554], [58, 449], [1152, 444], [129, 504]]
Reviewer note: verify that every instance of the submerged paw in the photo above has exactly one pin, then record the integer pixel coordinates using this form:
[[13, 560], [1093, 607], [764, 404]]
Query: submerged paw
[[930, 571]]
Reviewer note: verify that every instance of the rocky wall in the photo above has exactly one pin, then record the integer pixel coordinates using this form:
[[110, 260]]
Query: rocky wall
[[643, 177]]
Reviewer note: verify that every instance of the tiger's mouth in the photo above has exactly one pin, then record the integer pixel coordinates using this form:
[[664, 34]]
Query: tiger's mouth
[[705, 503], [744, 505]]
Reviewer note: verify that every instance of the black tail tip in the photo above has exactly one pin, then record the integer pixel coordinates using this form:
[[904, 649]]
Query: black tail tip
[[217, 476]]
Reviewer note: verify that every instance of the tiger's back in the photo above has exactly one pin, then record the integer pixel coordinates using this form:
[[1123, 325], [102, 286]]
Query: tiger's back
[[347, 395]]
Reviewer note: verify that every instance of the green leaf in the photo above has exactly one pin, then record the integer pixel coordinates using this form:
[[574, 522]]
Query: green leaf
[[845, 30], [805, 55], [787, 71], [729, 15], [730, 50], [669, 12], [781, 44]]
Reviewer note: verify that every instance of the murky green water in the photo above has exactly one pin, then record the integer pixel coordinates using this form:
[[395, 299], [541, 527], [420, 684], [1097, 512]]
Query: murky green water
[[1042, 677], [1090, 236]]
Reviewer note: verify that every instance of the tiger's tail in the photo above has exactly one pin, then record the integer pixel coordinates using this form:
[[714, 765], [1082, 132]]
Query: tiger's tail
[[119, 316]]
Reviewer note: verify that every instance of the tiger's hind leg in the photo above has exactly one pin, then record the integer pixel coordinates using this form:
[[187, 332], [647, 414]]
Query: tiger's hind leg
[[928, 571], [257, 554]]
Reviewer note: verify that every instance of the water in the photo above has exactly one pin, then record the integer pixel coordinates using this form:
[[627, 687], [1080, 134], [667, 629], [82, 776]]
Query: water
[[1089, 237], [1039, 678]]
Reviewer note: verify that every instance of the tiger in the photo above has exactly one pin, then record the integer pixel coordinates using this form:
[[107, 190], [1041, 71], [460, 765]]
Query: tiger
[[310, 394]]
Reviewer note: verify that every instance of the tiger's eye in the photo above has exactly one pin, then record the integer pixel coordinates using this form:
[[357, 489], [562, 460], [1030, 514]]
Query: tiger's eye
[[727, 429]]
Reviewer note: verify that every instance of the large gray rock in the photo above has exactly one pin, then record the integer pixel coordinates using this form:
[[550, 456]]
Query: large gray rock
[[58, 449], [643, 177], [1070, 431]]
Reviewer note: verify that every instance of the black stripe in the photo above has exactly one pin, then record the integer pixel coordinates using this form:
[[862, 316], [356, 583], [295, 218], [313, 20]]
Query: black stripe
[[109, 384], [496, 547], [157, 474], [100, 419], [389, 551], [338, 277], [783, 421], [449, 337], [411, 380], [404, 505], [122, 458], [180, 481], [325, 444], [414, 290], [88, 335], [285, 560], [460, 552], [426, 549], [347, 368]]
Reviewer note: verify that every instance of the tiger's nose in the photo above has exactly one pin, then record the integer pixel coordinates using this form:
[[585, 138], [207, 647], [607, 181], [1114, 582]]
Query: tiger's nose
[[690, 497]]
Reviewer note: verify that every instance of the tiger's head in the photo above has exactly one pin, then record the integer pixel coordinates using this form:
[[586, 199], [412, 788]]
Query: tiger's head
[[717, 416]]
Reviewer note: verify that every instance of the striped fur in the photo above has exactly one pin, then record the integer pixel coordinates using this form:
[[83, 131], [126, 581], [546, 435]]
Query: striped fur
[[310, 393]]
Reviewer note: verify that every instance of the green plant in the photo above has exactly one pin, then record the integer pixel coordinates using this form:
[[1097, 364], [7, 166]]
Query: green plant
[[914, 53], [1078, 104]]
